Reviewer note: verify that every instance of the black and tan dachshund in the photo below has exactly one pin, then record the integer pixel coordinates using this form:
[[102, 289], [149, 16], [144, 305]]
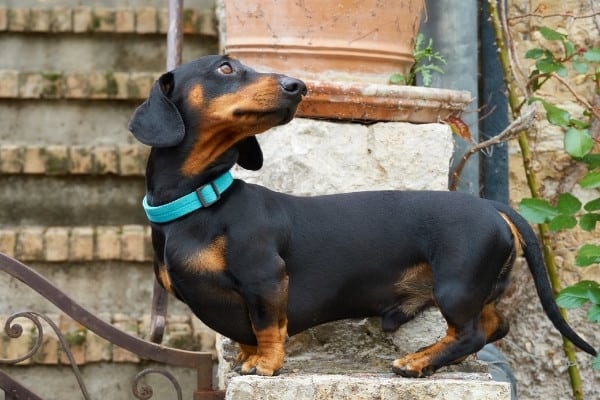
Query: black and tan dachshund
[[257, 265]]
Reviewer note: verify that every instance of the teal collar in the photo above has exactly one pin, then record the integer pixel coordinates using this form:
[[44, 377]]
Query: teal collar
[[204, 196]]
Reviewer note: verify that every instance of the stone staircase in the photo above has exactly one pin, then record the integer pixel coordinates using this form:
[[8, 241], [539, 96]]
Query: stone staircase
[[72, 177], [71, 181]]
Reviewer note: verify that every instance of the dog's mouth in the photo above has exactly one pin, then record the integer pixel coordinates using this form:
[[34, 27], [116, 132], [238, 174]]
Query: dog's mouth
[[277, 116]]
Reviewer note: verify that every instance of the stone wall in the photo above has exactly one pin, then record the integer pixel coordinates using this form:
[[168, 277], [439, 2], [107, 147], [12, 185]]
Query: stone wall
[[533, 346]]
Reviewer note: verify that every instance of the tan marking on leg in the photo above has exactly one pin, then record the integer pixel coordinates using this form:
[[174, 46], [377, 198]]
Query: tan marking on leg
[[163, 278], [493, 324], [415, 287], [208, 259], [417, 363], [246, 351], [270, 351]]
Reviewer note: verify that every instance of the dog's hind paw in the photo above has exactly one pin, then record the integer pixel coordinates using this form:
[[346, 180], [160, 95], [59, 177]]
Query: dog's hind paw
[[404, 367]]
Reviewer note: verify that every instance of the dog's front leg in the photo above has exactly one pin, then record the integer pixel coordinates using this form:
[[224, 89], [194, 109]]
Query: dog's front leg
[[269, 322]]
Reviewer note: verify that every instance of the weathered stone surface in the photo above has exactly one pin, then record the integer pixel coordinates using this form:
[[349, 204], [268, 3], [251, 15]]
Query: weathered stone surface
[[309, 157], [366, 387]]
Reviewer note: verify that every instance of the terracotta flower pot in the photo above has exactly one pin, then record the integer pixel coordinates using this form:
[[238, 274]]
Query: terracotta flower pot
[[345, 51], [350, 40]]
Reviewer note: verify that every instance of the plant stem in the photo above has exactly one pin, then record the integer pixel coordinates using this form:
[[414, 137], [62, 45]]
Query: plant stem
[[515, 106]]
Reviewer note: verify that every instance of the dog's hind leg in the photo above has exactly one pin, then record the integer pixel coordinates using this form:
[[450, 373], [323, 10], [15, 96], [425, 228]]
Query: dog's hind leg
[[465, 334]]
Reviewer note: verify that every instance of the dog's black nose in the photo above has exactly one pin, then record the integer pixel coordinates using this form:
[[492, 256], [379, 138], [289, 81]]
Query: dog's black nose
[[293, 86]]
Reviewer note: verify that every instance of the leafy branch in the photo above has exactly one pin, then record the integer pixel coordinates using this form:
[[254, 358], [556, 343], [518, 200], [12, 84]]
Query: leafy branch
[[427, 61]]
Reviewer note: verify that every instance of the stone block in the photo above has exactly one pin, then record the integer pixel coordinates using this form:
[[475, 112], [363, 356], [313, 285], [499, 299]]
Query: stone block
[[108, 243], [30, 243], [75, 336], [81, 244], [56, 246], [3, 18], [124, 20], [8, 241], [162, 16], [366, 387], [104, 20], [132, 160], [139, 85], [56, 159], [97, 349], [19, 19], [133, 242], [82, 19], [309, 157], [105, 160], [81, 160], [11, 159], [41, 19], [75, 85], [61, 19], [9, 86], [147, 20], [31, 85]]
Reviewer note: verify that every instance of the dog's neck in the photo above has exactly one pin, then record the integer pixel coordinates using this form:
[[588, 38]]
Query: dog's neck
[[165, 181]]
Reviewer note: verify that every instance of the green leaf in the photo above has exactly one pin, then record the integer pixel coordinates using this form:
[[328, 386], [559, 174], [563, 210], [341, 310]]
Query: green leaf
[[569, 48], [572, 296], [578, 142], [588, 221], [397, 79], [591, 180], [550, 34], [593, 314], [556, 115], [568, 204], [592, 55], [547, 66], [561, 222], [537, 211], [576, 123], [592, 205], [587, 254], [579, 66], [537, 53], [592, 160]]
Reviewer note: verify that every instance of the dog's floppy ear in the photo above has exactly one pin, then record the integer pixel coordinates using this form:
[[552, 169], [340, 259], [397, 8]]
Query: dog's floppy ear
[[157, 122], [250, 155]]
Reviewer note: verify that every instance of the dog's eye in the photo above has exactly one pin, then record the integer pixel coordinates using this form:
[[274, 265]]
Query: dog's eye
[[225, 69]]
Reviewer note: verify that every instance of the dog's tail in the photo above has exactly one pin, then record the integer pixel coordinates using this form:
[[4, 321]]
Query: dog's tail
[[535, 260]]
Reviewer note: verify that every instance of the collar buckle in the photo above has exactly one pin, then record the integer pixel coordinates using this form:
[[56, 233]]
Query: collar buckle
[[208, 194]]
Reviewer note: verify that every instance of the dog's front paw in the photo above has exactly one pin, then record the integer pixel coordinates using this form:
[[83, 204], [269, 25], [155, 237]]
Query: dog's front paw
[[261, 365]]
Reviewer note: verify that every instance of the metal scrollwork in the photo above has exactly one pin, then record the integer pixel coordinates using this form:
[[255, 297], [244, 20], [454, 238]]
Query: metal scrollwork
[[143, 391], [14, 330]]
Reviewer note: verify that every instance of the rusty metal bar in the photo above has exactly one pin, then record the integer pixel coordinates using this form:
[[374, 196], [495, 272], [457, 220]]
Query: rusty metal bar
[[175, 34], [160, 298], [144, 349], [13, 390]]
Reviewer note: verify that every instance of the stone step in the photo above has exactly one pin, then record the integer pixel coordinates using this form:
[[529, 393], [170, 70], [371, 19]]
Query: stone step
[[77, 243], [121, 160], [92, 85], [450, 386], [86, 20]]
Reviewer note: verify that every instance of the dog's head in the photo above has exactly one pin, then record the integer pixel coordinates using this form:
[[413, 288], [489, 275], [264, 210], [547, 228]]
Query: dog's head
[[214, 104]]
